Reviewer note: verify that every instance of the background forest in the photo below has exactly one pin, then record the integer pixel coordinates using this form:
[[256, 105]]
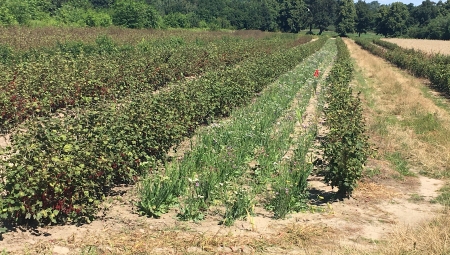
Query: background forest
[[429, 20]]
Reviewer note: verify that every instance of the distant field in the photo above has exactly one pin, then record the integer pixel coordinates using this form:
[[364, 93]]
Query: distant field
[[431, 46]]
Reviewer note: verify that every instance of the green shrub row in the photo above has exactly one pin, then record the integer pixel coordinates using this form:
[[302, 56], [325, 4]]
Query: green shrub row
[[436, 67], [40, 82], [345, 146], [59, 169]]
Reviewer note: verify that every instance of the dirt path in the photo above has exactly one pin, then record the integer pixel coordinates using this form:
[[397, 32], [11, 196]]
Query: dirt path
[[384, 202]]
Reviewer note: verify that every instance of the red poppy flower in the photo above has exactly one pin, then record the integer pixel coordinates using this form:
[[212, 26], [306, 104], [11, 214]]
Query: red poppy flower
[[316, 73]]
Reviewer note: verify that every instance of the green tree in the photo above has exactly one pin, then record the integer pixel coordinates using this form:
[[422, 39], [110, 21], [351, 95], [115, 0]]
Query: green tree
[[392, 21], [292, 16], [268, 13], [323, 14], [381, 18], [439, 28], [6, 17], [363, 17], [71, 15], [345, 22], [177, 20], [425, 12], [97, 19], [135, 14], [102, 3]]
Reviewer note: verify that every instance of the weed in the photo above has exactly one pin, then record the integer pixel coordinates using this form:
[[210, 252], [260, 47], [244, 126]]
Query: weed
[[444, 197], [239, 205], [400, 163], [416, 198], [426, 123], [371, 172]]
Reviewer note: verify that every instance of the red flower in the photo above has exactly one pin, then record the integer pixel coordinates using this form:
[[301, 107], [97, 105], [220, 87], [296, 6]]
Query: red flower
[[316, 73]]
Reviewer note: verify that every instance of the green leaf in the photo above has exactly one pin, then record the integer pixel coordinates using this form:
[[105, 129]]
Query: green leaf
[[68, 148]]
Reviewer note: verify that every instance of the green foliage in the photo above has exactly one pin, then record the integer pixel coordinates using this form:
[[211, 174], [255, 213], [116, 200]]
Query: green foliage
[[97, 19], [323, 13], [290, 188], [60, 169], [195, 203], [156, 195], [135, 14], [425, 12], [292, 15], [266, 15], [177, 20], [364, 18], [438, 28], [220, 156], [38, 86], [6, 54], [69, 14], [444, 197], [21, 10], [435, 67], [345, 22], [400, 164], [392, 21], [345, 148], [239, 204], [6, 17]]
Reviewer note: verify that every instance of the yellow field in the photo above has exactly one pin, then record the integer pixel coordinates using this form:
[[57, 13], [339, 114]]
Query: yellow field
[[430, 46]]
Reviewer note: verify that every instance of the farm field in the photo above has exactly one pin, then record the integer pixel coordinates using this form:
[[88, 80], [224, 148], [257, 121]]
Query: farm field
[[234, 157], [429, 46]]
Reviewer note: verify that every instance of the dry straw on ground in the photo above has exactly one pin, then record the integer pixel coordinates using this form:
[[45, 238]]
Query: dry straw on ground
[[430, 46]]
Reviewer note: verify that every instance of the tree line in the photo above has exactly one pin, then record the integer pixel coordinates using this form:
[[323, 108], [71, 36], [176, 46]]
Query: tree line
[[428, 20]]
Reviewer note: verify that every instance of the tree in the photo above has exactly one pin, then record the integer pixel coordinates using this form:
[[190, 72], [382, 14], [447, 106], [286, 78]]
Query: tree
[[21, 10], [397, 18], [439, 28], [374, 6], [381, 18], [292, 16], [268, 14], [345, 22], [321, 14], [425, 12], [391, 21], [135, 14], [177, 20], [102, 3], [363, 17], [6, 18]]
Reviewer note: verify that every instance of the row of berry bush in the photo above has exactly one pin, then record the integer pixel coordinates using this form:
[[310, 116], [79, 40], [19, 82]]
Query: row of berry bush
[[40, 81], [345, 147], [435, 67]]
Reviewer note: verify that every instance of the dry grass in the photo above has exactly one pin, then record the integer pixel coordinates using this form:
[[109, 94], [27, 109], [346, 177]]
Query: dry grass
[[400, 117], [374, 191], [430, 238], [141, 240], [429, 46]]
